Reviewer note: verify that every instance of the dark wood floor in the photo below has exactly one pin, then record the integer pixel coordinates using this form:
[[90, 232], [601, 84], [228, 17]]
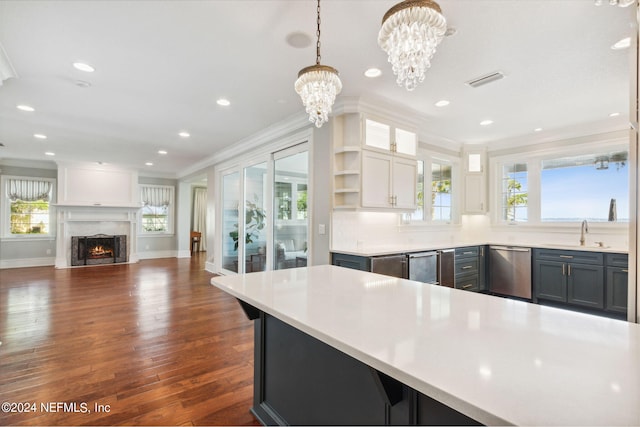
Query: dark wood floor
[[153, 342]]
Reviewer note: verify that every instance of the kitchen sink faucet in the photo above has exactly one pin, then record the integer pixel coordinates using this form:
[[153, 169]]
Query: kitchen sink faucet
[[584, 229]]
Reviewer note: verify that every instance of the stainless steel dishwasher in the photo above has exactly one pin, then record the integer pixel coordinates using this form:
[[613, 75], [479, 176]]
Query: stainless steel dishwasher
[[510, 271]]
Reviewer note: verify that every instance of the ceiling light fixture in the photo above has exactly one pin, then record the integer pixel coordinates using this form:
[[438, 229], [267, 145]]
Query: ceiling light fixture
[[614, 114], [318, 85], [486, 122], [537, 130], [50, 153], [373, 73], [163, 152], [411, 31], [39, 136], [25, 108], [224, 102], [442, 103], [184, 134], [148, 164], [83, 67]]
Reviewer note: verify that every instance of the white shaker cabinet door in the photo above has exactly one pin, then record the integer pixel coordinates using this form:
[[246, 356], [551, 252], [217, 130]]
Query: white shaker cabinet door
[[376, 180], [404, 183]]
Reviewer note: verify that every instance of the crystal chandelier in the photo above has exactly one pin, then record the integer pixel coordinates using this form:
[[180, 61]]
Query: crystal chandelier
[[410, 32], [318, 86]]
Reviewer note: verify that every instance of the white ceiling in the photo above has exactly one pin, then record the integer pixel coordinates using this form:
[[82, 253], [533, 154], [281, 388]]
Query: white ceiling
[[161, 65]]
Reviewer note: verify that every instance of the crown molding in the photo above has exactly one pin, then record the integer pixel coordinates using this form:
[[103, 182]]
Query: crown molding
[[290, 124]]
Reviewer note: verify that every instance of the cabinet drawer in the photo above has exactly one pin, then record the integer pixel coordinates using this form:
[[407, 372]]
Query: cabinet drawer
[[617, 260], [466, 266], [467, 252], [351, 261], [584, 257], [468, 283]]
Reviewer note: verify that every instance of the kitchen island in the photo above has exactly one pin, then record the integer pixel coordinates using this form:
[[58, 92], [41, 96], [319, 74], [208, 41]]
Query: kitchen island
[[341, 346]]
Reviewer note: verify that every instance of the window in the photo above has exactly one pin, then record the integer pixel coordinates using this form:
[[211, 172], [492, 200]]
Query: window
[[591, 187], [589, 183], [28, 200], [157, 208], [514, 190], [440, 192], [436, 175]]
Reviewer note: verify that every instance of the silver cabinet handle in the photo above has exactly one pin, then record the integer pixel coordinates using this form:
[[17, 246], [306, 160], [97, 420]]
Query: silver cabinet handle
[[466, 267], [467, 286], [569, 269], [563, 269], [566, 256]]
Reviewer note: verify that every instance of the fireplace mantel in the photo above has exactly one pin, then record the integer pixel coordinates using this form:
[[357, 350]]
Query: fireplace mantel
[[81, 220]]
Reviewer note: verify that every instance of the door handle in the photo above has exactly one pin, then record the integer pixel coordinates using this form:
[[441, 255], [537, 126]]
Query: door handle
[[563, 269]]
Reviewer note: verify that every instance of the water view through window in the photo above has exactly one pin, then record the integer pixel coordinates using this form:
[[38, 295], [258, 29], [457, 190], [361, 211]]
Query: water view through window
[[595, 188]]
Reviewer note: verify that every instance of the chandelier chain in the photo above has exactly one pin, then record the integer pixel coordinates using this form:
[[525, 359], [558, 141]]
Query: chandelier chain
[[318, 35]]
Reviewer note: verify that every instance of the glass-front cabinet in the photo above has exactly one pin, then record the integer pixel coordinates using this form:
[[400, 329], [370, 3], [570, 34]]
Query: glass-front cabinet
[[374, 164], [388, 138]]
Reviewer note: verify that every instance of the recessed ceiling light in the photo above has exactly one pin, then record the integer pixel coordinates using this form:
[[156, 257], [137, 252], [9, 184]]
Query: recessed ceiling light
[[50, 153], [614, 114], [224, 102], [622, 44], [373, 73], [39, 136], [149, 164], [184, 134], [486, 122], [442, 103], [537, 130], [25, 108], [162, 152], [83, 67]]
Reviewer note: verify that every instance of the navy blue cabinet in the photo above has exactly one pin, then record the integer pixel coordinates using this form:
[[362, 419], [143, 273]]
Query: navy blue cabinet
[[617, 283], [581, 279], [468, 268]]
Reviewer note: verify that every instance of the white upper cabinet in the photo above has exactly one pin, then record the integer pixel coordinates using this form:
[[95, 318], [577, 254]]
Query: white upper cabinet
[[374, 165], [385, 137], [475, 181]]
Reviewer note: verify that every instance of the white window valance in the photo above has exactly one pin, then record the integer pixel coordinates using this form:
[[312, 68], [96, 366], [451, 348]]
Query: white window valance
[[155, 196], [28, 190]]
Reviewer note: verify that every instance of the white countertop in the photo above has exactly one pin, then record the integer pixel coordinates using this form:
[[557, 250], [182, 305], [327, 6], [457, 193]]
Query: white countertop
[[379, 250], [496, 360]]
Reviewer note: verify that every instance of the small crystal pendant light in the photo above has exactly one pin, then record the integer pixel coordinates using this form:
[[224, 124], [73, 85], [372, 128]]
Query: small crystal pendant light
[[318, 86]]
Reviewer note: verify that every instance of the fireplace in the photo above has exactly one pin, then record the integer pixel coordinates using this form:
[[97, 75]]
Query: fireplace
[[98, 249]]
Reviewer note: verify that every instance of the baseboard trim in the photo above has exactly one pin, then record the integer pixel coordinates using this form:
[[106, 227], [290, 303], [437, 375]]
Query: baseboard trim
[[27, 262], [157, 254]]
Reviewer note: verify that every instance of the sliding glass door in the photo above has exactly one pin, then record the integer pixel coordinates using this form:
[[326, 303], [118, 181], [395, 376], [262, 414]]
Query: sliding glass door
[[255, 217], [264, 213], [230, 221], [291, 219]]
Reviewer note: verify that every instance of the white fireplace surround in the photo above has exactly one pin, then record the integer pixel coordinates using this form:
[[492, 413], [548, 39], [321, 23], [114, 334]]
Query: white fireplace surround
[[90, 220]]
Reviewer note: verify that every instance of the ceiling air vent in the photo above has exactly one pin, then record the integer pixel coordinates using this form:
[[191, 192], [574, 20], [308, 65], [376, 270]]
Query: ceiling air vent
[[486, 79]]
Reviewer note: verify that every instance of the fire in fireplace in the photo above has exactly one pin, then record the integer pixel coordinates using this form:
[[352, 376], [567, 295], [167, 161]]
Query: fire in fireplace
[[98, 249]]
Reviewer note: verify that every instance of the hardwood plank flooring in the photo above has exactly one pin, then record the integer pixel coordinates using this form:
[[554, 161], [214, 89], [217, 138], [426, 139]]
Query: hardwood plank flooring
[[153, 342]]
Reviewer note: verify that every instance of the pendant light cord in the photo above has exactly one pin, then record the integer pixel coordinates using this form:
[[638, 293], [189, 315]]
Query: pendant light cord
[[318, 34]]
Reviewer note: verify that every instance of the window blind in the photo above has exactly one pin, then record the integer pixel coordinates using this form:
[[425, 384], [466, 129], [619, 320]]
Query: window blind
[[155, 196], [28, 190]]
